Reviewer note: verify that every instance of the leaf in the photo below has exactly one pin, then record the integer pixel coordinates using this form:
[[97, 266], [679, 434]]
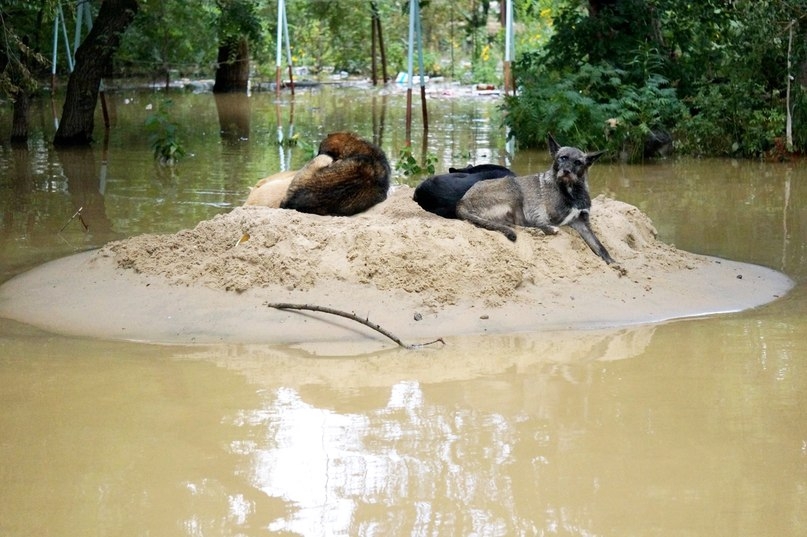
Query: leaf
[[244, 238]]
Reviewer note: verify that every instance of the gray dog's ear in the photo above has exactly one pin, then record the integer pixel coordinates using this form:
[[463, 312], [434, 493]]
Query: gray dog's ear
[[553, 145], [592, 157]]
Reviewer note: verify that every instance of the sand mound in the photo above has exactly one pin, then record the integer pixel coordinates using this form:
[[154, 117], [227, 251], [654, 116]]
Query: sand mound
[[396, 245], [389, 263]]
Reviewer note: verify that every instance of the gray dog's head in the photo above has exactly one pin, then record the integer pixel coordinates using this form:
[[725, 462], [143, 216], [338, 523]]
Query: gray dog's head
[[570, 164]]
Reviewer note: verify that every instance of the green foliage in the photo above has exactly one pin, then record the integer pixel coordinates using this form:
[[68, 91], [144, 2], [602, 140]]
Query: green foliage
[[289, 141], [333, 34], [641, 113], [239, 18], [731, 119], [564, 104], [487, 67], [166, 36], [163, 136], [593, 107], [713, 73], [409, 166], [21, 38]]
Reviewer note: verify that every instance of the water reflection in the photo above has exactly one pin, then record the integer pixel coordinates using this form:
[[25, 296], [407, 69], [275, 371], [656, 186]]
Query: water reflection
[[234, 115], [685, 428], [85, 185], [541, 438], [760, 217]]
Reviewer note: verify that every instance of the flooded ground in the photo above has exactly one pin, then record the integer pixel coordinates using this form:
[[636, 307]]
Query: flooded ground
[[693, 427]]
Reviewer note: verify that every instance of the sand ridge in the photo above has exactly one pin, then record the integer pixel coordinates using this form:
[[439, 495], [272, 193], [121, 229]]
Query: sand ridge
[[413, 272], [395, 245]]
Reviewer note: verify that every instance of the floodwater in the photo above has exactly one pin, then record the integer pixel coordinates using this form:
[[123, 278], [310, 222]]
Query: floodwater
[[687, 428]]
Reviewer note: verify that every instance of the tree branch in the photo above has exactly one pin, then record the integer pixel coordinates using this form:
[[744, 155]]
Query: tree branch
[[352, 316]]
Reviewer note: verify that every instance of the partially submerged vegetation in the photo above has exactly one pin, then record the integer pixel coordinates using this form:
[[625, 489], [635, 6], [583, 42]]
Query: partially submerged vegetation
[[635, 77]]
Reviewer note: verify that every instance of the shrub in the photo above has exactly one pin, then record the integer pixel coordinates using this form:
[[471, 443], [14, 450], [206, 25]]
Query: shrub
[[592, 108], [730, 118], [163, 136]]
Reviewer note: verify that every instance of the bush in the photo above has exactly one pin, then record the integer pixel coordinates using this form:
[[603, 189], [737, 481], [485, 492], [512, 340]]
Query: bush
[[731, 118], [592, 108], [712, 73], [163, 136]]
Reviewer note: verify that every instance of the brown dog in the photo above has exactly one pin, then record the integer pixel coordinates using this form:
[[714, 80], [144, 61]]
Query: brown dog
[[357, 178], [270, 191]]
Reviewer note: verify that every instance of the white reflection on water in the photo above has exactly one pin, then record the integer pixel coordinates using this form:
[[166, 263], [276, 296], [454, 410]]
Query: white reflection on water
[[416, 460], [335, 468], [302, 463]]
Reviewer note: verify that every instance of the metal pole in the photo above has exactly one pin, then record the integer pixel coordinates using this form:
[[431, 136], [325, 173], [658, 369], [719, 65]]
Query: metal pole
[[55, 53], [79, 21], [508, 48], [66, 39], [373, 68], [410, 69], [281, 7]]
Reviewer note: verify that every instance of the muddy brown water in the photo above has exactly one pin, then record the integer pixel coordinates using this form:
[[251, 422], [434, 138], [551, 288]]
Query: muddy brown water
[[694, 427]]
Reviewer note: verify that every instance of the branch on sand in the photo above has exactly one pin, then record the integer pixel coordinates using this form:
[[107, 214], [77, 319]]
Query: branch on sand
[[352, 316]]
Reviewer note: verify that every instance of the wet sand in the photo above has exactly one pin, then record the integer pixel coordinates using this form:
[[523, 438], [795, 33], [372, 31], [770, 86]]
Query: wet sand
[[415, 274]]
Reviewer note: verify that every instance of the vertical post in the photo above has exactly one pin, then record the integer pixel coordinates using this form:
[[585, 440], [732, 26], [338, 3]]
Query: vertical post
[[66, 39], [373, 67], [281, 8], [79, 22], [378, 40], [410, 69], [789, 115], [379, 33], [288, 48], [55, 50], [422, 72], [508, 48]]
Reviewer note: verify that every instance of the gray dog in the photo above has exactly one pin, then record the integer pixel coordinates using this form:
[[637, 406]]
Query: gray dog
[[548, 200]]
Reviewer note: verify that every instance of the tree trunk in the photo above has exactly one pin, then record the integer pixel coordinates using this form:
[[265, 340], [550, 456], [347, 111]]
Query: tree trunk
[[19, 123], [232, 72], [92, 57], [17, 62]]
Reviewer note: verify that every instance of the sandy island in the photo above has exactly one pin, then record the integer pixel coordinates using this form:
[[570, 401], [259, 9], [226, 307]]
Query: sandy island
[[416, 274]]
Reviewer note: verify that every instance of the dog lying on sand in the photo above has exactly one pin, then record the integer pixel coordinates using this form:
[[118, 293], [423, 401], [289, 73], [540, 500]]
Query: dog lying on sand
[[439, 194], [348, 176], [547, 200], [357, 178]]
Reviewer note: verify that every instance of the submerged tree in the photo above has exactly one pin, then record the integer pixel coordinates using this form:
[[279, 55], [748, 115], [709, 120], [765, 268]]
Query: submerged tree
[[19, 60], [92, 58], [238, 24]]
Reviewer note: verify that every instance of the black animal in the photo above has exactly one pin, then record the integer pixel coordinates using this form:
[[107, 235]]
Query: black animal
[[556, 197], [439, 194]]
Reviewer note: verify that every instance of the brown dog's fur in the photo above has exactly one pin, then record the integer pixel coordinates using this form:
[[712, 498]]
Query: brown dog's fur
[[270, 191], [356, 179]]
